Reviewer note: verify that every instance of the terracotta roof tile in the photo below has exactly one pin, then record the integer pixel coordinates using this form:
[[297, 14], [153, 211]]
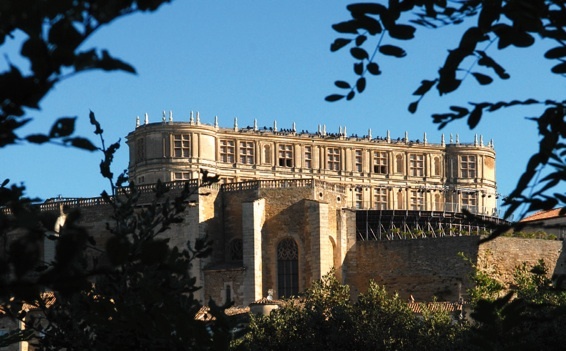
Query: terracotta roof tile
[[546, 214]]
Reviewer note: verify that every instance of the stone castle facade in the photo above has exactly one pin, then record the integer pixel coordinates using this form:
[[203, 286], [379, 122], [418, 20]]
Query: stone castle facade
[[378, 173], [287, 208]]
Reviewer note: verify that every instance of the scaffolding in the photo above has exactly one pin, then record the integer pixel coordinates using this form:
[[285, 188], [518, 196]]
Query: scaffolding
[[407, 224]]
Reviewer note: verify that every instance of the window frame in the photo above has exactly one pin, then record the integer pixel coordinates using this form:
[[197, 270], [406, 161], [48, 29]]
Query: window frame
[[246, 152], [467, 172], [285, 155], [417, 165], [379, 164], [333, 159], [181, 145], [227, 150]]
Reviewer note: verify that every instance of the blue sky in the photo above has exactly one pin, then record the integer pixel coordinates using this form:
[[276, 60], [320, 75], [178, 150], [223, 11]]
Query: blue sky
[[267, 60]]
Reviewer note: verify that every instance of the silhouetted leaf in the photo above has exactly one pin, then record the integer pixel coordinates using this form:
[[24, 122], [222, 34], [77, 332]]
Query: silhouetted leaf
[[373, 68], [482, 78], [350, 95], [339, 43], [559, 68], [342, 84], [392, 50], [5, 182], [425, 87], [489, 62], [359, 53], [475, 117], [63, 127], [334, 97], [413, 106], [402, 31], [82, 143], [360, 39], [490, 12], [109, 63], [367, 8], [95, 123], [509, 35], [346, 27], [370, 24], [361, 84], [557, 52], [359, 68], [38, 138], [462, 111]]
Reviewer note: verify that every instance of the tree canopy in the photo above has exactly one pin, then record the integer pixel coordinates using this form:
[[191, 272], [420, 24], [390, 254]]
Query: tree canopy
[[132, 292], [495, 23]]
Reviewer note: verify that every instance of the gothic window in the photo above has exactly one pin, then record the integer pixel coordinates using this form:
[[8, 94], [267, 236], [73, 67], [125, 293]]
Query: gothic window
[[227, 151], [181, 146], [358, 166], [333, 158], [380, 162], [247, 152], [287, 268], [236, 250], [416, 200], [308, 157], [399, 164], [379, 198], [416, 165], [468, 166], [285, 155]]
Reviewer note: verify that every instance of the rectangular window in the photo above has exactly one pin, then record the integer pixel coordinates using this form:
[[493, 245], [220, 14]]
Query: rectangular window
[[285, 155], [416, 165], [181, 175], [247, 152], [227, 151], [359, 200], [308, 157], [469, 200], [416, 200], [380, 199], [140, 149], [358, 166], [380, 162], [333, 159], [181, 146], [468, 166]]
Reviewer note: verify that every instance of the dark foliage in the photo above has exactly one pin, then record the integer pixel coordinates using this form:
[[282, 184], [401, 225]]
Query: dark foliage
[[497, 23], [133, 292]]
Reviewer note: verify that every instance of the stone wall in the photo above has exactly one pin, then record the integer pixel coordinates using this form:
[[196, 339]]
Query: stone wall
[[501, 256], [218, 281], [422, 268], [427, 268]]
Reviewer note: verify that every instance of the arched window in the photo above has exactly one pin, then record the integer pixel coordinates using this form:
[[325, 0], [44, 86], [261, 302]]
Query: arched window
[[287, 268], [235, 250]]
